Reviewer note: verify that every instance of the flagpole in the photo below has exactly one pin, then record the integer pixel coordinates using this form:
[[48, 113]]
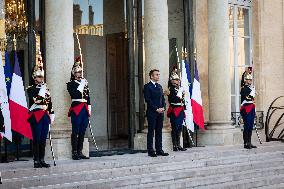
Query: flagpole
[[183, 62]]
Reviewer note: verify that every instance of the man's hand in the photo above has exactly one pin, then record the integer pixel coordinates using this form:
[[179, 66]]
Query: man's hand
[[90, 109], [160, 110]]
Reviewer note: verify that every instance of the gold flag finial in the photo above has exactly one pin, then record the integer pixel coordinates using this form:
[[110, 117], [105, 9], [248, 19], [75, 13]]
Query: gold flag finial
[[15, 42]]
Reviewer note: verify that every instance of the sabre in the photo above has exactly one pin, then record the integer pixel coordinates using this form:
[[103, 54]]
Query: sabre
[[259, 139], [80, 51], [93, 137], [51, 146]]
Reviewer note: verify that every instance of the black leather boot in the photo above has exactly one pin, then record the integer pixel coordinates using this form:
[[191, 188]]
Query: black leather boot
[[178, 134], [80, 147], [174, 140], [36, 155], [42, 154], [249, 140], [245, 138], [74, 144]]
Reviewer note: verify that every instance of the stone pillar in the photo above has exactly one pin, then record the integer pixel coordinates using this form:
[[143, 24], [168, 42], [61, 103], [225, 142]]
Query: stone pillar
[[220, 130], [59, 61], [156, 56], [156, 38]]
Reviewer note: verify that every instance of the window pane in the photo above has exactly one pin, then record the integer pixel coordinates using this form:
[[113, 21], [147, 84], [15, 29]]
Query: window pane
[[233, 104], [241, 71], [37, 15], [88, 17], [231, 20], [243, 51], [243, 22], [232, 76]]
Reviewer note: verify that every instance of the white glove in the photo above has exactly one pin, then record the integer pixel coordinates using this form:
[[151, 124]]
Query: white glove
[[252, 93], [90, 109], [52, 117], [82, 85], [42, 91], [180, 91]]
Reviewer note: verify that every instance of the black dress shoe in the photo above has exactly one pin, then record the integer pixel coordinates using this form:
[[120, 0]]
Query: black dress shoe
[[175, 149], [152, 154], [82, 156], [43, 164], [246, 146], [162, 153], [181, 148], [75, 156], [252, 146], [37, 164]]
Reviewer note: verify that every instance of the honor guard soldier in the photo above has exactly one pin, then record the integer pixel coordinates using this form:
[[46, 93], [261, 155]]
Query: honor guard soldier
[[247, 71], [41, 114], [248, 110], [176, 110], [80, 109]]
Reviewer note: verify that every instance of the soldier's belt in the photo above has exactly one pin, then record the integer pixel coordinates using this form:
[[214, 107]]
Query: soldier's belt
[[177, 104], [79, 100], [37, 106]]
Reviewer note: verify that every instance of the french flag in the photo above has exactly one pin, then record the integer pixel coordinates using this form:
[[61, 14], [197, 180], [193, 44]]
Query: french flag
[[196, 100], [186, 84], [18, 104]]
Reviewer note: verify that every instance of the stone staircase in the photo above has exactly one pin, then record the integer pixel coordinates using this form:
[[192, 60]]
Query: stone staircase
[[204, 167]]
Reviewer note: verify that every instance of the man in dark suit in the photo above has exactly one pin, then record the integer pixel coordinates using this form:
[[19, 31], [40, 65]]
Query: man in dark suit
[[154, 97]]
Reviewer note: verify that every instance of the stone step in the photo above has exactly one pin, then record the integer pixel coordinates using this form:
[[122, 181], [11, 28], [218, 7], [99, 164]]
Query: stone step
[[253, 160], [260, 182], [196, 153], [119, 161], [267, 182], [171, 178], [113, 173], [197, 160], [274, 186]]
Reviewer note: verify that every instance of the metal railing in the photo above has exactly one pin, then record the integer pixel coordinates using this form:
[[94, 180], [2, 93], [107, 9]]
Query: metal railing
[[274, 130], [238, 121]]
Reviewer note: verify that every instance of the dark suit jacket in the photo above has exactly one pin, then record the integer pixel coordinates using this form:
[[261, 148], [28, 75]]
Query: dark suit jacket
[[154, 98]]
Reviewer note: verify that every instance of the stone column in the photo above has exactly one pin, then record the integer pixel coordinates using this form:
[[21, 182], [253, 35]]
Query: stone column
[[220, 130], [156, 38], [156, 56], [59, 61]]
